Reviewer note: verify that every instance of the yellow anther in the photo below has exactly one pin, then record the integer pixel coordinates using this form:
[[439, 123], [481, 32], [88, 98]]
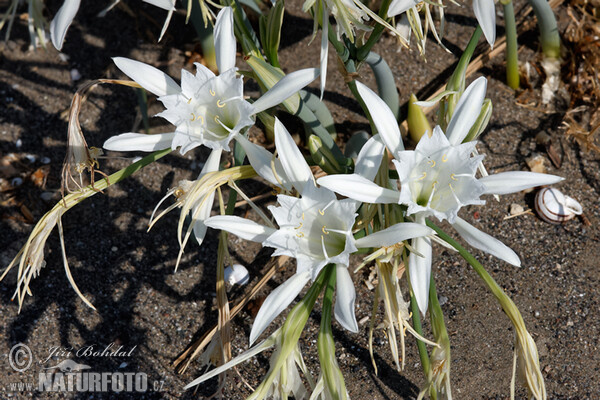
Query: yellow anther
[[302, 216], [178, 193], [189, 100], [201, 118], [217, 119], [444, 158], [300, 235], [453, 177], [432, 163], [321, 212], [324, 230], [434, 183], [451, 188], [220, 105], [299, 226], [212, 92], [193, 117], [423, 176]]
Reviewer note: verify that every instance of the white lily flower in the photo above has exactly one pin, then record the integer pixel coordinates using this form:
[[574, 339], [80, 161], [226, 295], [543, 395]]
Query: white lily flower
[[315, 228], [207, 109], [437, 178]]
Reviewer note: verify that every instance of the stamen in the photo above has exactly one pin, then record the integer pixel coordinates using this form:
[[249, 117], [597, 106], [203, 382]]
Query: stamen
[[453, 177], [444, 158], [220, 105], [212, 92], [299, 226], [455, 196], [189, 100], [324, 248], [324, 230], [201, 118], [321, 212], [422, 176], [432, 192], [217, 120], [300, 234], [431, 163], [302, 216], [193, 117]]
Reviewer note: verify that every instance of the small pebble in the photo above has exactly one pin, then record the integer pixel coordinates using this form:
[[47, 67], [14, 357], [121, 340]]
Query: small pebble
[[114, 249], [236, 274], [45, 160], [442, 300], [75, 75], [47, 196], [19, 143], [516, 209], [63, 57], [31, 158], [123, 365], [16, 181], [537, 314]]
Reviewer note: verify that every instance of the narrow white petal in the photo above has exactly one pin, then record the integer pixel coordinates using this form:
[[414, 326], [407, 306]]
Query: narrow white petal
[[167, 21], [482, 241], [399, 6], [384, 119], [345, 295], [420, 272], [466, 112], [139, 142], [485, 12], [241, 227], [296, 169], [211, 165], [394, 234], [164, 4], [369, 158], [324, 49], [358, 188], [515, 181], [286, 87], [278, 301], [150, 78], [225, 40], [61, 22], [260, 159], [248, 354]]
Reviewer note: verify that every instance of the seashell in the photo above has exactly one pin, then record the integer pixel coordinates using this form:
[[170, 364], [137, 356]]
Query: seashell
[[236, 274], [554, 207]]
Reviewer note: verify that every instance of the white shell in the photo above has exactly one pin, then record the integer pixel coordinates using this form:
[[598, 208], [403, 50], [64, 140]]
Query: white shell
[[554, 207], [236, 274]]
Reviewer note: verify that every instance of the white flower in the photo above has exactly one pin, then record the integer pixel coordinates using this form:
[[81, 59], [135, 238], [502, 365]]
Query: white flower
[[207, 109], [485, 12], [437, 178], [315, 228]]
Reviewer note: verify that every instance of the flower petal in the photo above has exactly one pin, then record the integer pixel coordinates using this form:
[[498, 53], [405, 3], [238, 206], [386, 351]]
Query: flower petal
[[324, 49], [482, 241], [358, 188], [164, 4], [369, 158], [419, 269], [61, 22], [485, 12], [394, 234], [276, 302], [515, 181], [152, 79], [399, 6], [345, 295], [225, 45], [286, 87], [296, 169], [384, 119], [211, 165], [139, 142], [466, 112], [241, 227], [260, 159]]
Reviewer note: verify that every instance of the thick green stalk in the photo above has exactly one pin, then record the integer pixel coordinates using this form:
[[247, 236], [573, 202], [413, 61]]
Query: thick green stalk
[[363, 52], [548, 28], [512, 60], [386, 85]]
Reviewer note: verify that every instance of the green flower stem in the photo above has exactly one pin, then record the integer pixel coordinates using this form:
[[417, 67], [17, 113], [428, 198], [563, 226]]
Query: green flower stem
[[512, 60], [548, 28], [363, 51], [525, 348], [334, 380], [243, 30], [311, 120], [75, 198], [320, 110], [386, 85], [440, 333], [292, 329], [143, 104]]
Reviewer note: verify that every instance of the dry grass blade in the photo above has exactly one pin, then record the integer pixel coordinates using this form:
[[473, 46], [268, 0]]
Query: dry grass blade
[[182, 362]]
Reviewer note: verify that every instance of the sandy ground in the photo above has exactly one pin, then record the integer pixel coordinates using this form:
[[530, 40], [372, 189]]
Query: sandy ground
[[154, 312]]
